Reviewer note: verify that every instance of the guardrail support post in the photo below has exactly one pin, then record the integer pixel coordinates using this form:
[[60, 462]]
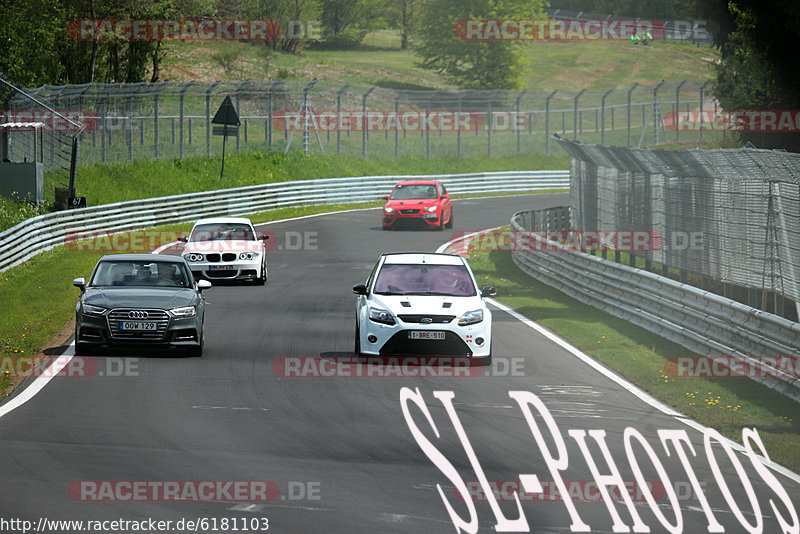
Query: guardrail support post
[[603, 118], [678, 110], [635, 85], [364, 122], [516, 117], [208, 116], [547, 121], [575, 114], [398, 121], [155, 117], [180, 127], [238, 110]]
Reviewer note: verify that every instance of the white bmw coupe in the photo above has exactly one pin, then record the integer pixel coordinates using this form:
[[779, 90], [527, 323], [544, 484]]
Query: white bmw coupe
[[226, 248], [423, 304]]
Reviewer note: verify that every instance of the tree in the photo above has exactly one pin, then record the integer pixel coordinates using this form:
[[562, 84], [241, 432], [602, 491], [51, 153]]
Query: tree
[[473, 63], [757, 70]]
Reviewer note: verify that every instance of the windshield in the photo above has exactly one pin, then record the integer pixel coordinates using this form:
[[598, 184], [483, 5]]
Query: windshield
[[413, 279], [417, 191], [222, 232], [141, 273]]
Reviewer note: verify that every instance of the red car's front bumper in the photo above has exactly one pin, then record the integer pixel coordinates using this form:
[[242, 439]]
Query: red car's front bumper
[[419, 218]]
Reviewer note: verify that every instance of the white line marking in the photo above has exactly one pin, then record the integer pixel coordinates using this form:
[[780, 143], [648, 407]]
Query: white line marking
[[597, 366], [40, 381], [641, 394]]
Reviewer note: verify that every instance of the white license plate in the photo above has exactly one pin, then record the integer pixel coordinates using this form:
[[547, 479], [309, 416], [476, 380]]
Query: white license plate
[[429, 216], [221, 268], [438, 336], [136, 325]]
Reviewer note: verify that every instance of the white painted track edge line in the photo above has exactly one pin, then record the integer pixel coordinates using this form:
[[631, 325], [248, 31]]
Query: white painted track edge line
[[618, 379], [56, 365]]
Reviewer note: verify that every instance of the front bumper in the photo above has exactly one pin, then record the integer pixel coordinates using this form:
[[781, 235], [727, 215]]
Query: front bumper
[[397, 219], [394, 340], [180, 332], [237, 270]]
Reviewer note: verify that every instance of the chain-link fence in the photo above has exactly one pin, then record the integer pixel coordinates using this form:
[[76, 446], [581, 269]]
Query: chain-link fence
[[42, 139], [726, 219], [174, 120]]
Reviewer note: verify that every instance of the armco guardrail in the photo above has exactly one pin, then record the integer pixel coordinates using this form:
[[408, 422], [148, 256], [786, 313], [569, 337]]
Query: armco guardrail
[[702, 321], [43, 232]]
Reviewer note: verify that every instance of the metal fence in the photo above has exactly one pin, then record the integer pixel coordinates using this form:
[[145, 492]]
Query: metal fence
[[727, 219], [174, 120], [41, 233], [705, 323]]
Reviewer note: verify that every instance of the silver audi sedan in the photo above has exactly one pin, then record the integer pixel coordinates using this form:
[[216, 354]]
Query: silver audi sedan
[[142, 300]]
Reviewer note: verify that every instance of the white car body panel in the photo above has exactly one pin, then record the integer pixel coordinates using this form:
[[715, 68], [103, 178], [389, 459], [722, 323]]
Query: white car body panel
[[234, 269], [423, 305]]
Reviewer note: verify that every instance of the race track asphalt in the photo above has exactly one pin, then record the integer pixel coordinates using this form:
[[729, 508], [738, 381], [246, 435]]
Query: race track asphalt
[[339, 448]]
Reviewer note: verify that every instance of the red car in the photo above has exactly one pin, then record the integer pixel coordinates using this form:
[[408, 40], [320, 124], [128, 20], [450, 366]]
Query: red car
[[423, 202]]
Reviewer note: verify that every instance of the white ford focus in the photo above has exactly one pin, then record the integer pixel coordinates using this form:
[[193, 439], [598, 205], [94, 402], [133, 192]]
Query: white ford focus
[[226, 248], [423, 304]]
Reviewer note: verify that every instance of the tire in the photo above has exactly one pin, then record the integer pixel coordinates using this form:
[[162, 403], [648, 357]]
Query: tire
[[357, 344], [197, 352], [450, 222], [261, 280], [83, 349], [440, 226]]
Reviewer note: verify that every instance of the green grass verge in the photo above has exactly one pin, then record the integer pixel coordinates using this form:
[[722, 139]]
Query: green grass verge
[[728, 405], [103, 184]]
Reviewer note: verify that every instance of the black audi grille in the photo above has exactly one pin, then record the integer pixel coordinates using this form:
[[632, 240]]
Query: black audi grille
[[212, 257], [409, 212], [160, 317], [229, 256], [435, 319]]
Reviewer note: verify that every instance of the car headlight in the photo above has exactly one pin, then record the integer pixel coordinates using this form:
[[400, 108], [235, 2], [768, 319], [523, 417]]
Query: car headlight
[[93, 310], [248, 255], [382, 316], [389, 210], [471, 317], [193, 257], [430, 209], [184, 311]]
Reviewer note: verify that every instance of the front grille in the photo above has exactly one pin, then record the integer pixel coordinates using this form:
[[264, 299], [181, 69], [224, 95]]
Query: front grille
[[229, 256], [160, 317], [400, 345], [435, 319], [225, 273], [213, 257], [409, 212]]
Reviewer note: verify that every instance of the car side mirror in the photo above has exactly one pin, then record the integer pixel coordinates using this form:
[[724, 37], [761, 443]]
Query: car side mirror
[[385, 197], [264, 237], [203, 284], [80, 283], [360, 289], [183, 239], [488, 291]]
